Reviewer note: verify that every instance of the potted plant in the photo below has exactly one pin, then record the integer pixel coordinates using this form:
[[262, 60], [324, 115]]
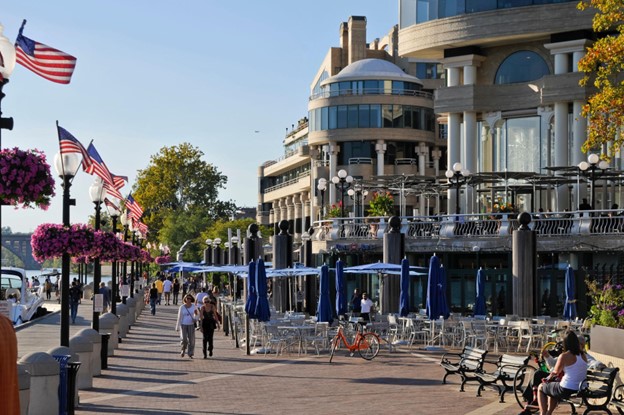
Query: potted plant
[[607, 317], [25, 179], [334, 211], [381, 204]]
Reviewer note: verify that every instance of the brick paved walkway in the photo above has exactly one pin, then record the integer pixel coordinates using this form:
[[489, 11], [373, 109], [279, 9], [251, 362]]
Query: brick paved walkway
[[148, 376]]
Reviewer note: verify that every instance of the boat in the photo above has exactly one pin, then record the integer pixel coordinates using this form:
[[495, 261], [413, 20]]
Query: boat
[[23, 304]]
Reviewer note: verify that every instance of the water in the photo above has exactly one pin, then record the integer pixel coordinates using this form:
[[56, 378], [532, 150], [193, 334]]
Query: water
[[37, 273]]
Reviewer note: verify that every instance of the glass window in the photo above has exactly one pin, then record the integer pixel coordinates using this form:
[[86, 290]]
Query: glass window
[[375, 116], [398, 87], [426, 10], [311, 117], [324, 118], [364, 117], [397, 116], [334, 89], [503, 4], [475, 6], [417, 118], [353, 149], [345, 88], [407, 116], [408, 13], [371, 87], [342, 116], [387, 116], [352, 119], [448, 8], [521, 66], [333, 118], [317, 119]]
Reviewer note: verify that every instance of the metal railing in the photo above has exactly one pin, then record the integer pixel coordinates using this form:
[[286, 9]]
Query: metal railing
[[288, 182], [371, 91]]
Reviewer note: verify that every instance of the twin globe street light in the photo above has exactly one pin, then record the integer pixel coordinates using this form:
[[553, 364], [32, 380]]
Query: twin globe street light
[[593, 167], [97, 195], [342, 181], [457, 178]]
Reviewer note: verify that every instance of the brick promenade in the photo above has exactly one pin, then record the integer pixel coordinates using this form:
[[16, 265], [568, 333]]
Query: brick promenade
[[148, 376]]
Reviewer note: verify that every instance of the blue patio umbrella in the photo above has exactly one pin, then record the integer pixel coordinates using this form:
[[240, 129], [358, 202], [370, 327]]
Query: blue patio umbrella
[[444, 308], [324, 309], [341, 295], [405, 282], [479, 309], [569, 309], [252, 295], [433, 310], [262, 306]]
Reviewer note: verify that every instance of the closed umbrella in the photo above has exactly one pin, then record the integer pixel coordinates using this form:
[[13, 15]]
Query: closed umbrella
[[404, 298], [433, 310], [479, 309], [324, 309], [252, 295], [262, 306], [443, 304], [341, 295], [569, 309]]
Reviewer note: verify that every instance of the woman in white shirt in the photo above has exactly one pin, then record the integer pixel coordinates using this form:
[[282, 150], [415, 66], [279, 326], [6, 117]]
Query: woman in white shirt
[[571, 368], [187, 316]]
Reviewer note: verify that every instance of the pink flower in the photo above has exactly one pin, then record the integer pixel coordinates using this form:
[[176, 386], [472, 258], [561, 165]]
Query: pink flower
[[26, 178]]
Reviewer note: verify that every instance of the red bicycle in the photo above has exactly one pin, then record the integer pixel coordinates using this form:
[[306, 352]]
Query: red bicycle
[[365, 343]]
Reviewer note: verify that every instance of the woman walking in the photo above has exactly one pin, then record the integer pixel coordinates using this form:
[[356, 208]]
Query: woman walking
[[209, 322], [187, 316], [176, 291], [153, 297]]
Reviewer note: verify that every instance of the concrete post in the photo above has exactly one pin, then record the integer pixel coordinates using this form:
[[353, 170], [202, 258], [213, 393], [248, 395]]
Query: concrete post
[[282, 258], [393, 253], [109, 324], [44, 383], [524, 268], [131, 303], [122, 313], [96, 357], [82, 346], [23, 380]]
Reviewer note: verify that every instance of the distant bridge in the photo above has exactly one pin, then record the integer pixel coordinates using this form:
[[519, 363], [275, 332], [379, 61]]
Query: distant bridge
[[19, 245]]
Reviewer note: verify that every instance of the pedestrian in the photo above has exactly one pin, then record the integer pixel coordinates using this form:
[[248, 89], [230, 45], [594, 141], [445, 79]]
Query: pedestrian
[[153, 298], [209, 322], [47, 286], [200, 297], [176, 291], [106, 297], [167, 286], [185, 324], [74, 300], [356, 302], [159, 286], [366, 307]]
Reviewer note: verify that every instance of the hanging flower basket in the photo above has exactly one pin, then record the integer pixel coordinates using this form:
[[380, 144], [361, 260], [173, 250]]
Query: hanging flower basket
[[25, 179], [163, 259], [52, 240]]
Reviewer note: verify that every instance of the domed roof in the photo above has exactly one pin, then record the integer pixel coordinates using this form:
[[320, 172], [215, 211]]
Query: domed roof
[[371, 69]]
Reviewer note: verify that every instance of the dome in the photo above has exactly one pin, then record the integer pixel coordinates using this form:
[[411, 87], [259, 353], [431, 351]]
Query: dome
[[371, 69]]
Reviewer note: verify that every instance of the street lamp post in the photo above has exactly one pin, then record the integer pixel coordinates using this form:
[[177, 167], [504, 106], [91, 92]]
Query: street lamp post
[[593, 168], [7, 64], [114, 214], [322, 186], [124, 272], [357, 193], [133, 262], [66, 166], [457, 178], [342, 181], [97, 194]]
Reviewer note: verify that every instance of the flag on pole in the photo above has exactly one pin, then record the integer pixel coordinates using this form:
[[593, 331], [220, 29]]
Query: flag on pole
[[47, 62], [70, 144], [119, 181], [111, 205], [136, 210], [112, 190], [141, 227], [98, 167]]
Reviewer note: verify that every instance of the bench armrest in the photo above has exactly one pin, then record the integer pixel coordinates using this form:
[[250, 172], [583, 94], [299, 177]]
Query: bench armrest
[[446, 356]]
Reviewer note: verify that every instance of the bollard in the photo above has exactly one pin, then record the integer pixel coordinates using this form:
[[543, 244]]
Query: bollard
[[44, 382], [96, 339], [122, 313], [71, 396], [109, 324], [23, 377], [104, 351], [84, 348], [131, 303]]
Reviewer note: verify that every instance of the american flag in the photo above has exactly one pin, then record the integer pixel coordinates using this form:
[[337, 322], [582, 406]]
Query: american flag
[[98, 167], [119, 181], [69, 144], [47, 62], [141, 227], [111, 205], [112, 190], [136, 211]]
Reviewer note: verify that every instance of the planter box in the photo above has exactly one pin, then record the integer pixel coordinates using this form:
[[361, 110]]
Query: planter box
[[607, 340]]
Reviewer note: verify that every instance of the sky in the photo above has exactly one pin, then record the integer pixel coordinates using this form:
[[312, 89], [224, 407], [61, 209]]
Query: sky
[[227, 77]]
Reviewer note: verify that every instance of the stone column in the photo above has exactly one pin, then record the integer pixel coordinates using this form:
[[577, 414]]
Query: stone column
[[423, 153], [524, 268], [380, 148], [393, 253], [298, 202], [282, 258]]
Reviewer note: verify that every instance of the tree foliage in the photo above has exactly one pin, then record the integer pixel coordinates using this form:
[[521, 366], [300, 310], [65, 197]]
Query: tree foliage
[[603, 65], [179, 192]]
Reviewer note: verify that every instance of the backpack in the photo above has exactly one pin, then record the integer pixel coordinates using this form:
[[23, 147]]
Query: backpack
[[48, 285]]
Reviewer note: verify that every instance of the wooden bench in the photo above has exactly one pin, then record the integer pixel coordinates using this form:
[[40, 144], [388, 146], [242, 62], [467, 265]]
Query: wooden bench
[[618, 399], [502, 378], [465, 364], [596, 391]]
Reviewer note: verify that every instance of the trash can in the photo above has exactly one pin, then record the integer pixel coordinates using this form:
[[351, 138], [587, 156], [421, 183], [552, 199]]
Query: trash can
[[104, 350], [62, 390], [72, 372]]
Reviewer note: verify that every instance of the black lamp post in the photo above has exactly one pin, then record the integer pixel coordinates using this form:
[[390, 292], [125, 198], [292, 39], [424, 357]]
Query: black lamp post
[[133, 241], [114, 214], [342, 181], [357, 193], [97, 194], [457, 178], [124, 271], [593, 168], [66, 166], [322, 186]]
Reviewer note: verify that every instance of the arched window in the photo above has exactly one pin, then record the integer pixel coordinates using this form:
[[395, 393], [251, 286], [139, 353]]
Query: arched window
[[522, 66]]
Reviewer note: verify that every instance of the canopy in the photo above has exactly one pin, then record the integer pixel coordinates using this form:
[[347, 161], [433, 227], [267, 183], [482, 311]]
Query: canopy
[[404, 298], [188, 267], [569, 309], [263, 313], [252, 294], [292, 272], [341, 295], [324, 309], [479, 309]]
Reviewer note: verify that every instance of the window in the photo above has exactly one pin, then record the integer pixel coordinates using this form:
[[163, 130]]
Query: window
[[364, 118], [522, 66], [352, 120], [342, 116]]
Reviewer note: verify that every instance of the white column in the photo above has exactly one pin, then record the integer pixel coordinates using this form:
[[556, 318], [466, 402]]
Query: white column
[[561, 151], [333, 170], [452, 74], [470, 156], [453, 152], [423, 152], [380, 148]]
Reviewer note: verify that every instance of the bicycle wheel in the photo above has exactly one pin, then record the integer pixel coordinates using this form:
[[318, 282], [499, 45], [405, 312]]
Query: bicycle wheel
[[522, 379], [334, 345], [368, 346]]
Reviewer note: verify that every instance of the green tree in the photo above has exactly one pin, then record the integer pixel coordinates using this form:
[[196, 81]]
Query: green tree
[[603, 65], [219, 229], [179, 194]]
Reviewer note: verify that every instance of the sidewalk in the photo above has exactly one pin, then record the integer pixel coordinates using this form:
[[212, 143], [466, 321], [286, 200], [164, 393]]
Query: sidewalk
[[148, 376]]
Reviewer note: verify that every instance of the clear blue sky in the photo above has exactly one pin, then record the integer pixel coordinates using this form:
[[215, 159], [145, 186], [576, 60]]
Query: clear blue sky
[[157, 73]]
